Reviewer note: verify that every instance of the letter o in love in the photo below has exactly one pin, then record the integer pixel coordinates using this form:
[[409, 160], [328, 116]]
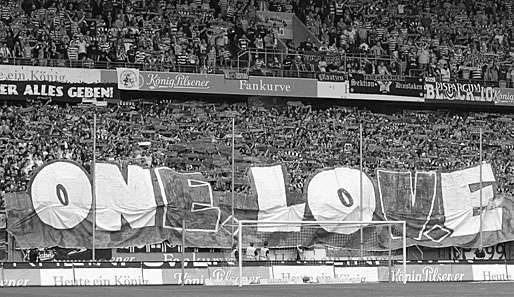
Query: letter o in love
[[334, 195], [61, 194]]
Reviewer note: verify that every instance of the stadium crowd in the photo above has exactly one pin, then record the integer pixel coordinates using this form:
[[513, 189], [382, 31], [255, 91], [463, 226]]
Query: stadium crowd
[[453, 39], [470, 39], [196, 136]]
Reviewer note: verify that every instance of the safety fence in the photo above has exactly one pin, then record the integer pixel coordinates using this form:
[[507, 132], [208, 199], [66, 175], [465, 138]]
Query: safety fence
[[257, 62]]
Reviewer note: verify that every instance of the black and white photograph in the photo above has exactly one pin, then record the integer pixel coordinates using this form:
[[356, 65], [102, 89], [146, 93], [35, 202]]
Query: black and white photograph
[[194, 148]]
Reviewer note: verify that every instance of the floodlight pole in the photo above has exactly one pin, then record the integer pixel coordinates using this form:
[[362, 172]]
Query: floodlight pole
[[361, 216], [233, 180], [481, 196], [93, 187]]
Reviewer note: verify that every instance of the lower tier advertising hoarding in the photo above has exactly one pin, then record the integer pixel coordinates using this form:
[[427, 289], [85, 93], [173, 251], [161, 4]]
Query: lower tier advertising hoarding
[[208, 273]]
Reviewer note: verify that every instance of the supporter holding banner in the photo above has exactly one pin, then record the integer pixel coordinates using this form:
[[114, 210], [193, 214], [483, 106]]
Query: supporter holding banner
[[280, 22], [20, 90], [386, 85]]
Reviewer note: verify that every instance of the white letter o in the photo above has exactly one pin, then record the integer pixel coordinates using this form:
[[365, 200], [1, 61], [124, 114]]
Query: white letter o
[[334, 195], [61, 195]]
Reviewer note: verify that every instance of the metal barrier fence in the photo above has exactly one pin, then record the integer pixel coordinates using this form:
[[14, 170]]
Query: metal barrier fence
[[307, 67]]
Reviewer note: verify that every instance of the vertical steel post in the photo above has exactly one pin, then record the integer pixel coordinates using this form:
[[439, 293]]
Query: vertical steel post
[[233, 179], [481, 195], [183, 275], [93, 187], [389, 260], [240, 254], [404, 251], [361, 216]]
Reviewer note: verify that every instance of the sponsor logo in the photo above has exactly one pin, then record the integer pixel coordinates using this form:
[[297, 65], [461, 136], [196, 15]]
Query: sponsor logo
[[493, 272], [129, 79], [222, 274], [34, 75], [428, 274], [320, 278], [494, 276], [503, 96], [116, 280], [49, 74], [179, 81], [14, 282], [189, 279], [385, 86]]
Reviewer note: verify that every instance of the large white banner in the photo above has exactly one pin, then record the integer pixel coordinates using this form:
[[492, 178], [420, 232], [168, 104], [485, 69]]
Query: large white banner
[[137, 206]]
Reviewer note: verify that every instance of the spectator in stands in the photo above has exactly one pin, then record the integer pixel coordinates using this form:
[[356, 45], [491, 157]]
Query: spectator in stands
[[190, 137], [450, 40]]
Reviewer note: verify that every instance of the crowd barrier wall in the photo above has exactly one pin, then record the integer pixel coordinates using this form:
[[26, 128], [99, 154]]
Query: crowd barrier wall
[[327, 85], [223, 273]]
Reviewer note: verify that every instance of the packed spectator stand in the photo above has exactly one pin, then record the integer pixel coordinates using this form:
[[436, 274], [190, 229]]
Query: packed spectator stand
[[381, 37], [453, 40], [196, 136], [465, 40]]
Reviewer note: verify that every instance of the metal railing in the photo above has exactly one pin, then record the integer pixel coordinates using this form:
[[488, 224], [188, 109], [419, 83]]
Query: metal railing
[[104, 64], [244, 62]]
